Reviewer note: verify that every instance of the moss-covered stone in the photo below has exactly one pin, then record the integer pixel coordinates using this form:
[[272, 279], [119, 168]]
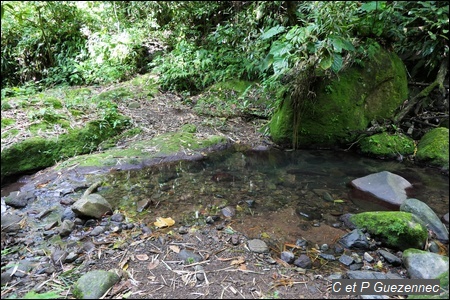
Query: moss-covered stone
[[137, 152], [94, 284], [400, 230], [37, 152], [433, 147], [387, 145], [345, 105]]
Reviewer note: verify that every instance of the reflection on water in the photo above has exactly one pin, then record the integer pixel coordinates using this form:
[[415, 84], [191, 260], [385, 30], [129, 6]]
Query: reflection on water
[[288, 190]]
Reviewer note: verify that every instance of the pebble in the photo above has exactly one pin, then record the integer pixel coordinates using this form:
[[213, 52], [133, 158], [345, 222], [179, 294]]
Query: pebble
[[257, 246], [346, 260], [97, 230], [368, 257], [287, 256]]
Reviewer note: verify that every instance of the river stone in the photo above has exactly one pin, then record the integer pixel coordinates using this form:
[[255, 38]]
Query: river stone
[[303, 261], [66, 228], [445, 218], [257, 246], [94, 284], [385, 186], [10, 222], [19, 199], [354, 239], [287, 256], [92, 205], [390, 258], [189, 257], [427, 215], [423, 264]]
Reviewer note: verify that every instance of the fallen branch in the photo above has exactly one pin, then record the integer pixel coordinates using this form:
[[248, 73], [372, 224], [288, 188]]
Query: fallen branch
[[438, 82]]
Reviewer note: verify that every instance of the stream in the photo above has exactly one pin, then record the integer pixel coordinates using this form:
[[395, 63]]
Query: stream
[[286, 195]]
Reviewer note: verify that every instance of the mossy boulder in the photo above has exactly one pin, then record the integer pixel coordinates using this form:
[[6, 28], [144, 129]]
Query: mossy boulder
[[37, 152], [433, 148], [387, 145], [345, 105], [399, 230], [138, 152], [94, 284]]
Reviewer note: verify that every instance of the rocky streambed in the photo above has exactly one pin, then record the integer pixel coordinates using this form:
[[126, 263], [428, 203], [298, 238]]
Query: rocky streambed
[[209, 229]]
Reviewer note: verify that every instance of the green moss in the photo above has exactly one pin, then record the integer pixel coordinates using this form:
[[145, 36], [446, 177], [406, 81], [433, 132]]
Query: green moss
[[433, 147], [346, 104], [117, 94], [191, 128], [10, 133], [397, 229], [35, 153], [7, 122], [54, 102], [385, 144], [139, 151]]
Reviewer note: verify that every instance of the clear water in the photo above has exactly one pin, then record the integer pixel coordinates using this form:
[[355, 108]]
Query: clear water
[[287, 194]]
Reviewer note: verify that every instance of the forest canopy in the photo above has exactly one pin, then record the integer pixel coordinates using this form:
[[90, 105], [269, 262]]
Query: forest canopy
[[194, 44]]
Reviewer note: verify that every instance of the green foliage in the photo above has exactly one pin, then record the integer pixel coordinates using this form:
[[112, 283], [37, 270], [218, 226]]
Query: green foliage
[[39, 42], [425, 42]]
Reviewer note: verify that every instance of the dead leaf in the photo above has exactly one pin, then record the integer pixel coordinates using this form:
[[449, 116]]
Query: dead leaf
[[164, 222], [142, 256], [174, 248], [153, 264], [242, 267], [238, 261]]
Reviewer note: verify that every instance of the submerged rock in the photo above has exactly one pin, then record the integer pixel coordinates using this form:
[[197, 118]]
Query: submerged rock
[[385, 186]]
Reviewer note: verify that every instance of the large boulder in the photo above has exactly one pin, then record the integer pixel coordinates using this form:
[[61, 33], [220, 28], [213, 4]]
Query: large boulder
[[387, 145], [399, 230], [345, 105], [423, 264], [384, 186], [427, 215], [433, 148]]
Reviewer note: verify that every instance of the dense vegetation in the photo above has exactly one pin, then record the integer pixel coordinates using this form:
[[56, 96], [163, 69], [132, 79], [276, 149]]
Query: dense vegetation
[[283, 45]]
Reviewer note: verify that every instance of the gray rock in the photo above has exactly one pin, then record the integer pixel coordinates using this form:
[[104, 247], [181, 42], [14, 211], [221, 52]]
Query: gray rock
[[117, 218], [66, 228], [445, 218], [371, 275], [427, 215], [94, 284], [368, 257], [257, 246], [92, 205], [10, 222], [189, 257], [354, 239], [390, 258], [346, 260], [303, 261], [329, 257], [287, 256], [97, 230], [19, 199], [424, 265], [385, 186]]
